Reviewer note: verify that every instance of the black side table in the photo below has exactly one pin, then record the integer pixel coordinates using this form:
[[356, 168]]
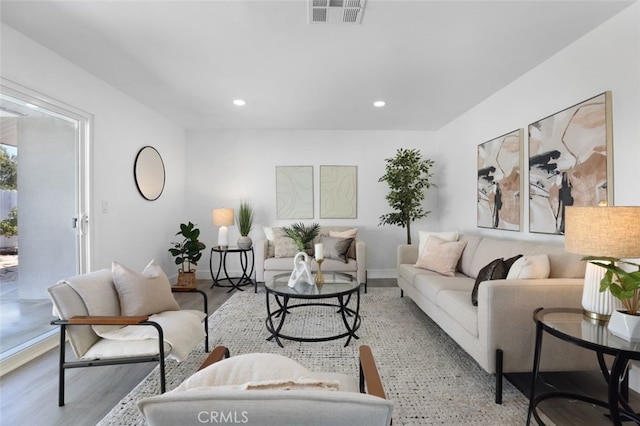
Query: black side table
[[235, 283], [571, 326]]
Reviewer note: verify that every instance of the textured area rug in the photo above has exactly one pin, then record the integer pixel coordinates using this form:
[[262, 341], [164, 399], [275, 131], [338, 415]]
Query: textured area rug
[[430, 379]]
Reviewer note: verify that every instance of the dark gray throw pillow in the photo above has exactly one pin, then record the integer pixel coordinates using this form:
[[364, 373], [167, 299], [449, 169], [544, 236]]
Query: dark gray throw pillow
[[485, 274], [495, 270], [335, 248]]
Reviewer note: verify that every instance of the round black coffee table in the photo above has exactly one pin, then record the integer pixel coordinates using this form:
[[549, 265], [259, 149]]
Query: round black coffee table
[[337, 286]]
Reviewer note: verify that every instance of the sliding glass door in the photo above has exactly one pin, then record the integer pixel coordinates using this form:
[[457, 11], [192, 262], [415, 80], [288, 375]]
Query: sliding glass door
[[43, 211]]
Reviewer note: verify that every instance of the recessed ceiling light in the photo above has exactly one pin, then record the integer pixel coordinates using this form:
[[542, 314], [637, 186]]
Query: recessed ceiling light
[[239, 102], [379, 104]]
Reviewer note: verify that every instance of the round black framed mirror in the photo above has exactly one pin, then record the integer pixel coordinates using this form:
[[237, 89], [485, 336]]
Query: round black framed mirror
[[148, 172]]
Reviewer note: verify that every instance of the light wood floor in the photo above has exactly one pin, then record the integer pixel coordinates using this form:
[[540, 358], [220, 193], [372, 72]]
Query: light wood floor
[[29, 395]]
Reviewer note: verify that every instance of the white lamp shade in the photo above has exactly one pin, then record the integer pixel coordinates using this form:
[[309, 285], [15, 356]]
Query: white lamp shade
[[223, 218]]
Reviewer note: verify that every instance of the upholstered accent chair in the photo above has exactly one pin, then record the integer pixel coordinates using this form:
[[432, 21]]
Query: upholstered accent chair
[[270, 389], [106, 329]]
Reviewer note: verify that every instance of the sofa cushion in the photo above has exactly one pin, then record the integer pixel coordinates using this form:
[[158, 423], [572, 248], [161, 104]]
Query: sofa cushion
[[458, 306], [143, 293], [441, 256], [530, 267], [271, 244], [496, 270], [485, 274], [349, 233], [464, 265], [284, 245], [432, 283], [445, 235], [335, 248], [285, 264]]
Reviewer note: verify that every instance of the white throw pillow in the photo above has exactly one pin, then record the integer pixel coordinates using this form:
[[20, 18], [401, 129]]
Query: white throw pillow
[[257, 371], [268, 234], [143, 293], [446, 236], [530, 267], [441, 256]]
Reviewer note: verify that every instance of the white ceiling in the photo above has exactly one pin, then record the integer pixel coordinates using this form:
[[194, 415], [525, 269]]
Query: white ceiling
[[429, 60]]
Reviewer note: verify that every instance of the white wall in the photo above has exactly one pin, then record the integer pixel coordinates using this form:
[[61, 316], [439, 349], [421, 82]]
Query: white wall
[[608, 58], [225, 167], [134, 230]]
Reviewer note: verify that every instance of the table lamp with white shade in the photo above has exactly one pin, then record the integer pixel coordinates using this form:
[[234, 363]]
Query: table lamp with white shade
[[607, 232], [223, 217]]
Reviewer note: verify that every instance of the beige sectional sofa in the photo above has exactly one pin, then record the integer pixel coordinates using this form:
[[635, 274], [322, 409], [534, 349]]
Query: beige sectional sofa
[[499, 333], [267, 265]]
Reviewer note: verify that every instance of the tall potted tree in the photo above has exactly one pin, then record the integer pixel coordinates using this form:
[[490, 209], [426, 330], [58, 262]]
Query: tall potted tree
[[187, 253], [408, 176]]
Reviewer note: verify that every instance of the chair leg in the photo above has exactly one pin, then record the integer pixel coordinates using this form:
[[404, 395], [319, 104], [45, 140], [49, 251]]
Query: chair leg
[[499, 360], [61, 366]]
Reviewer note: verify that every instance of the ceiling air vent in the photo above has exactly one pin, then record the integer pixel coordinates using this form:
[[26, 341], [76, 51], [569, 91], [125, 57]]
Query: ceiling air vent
[[336, 11]]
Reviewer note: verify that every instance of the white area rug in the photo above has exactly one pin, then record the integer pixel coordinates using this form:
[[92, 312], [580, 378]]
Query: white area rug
[[425, 373]]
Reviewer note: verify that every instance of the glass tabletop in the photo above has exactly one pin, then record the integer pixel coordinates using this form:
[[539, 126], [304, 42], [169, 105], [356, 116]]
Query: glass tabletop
[[574, 325], [335, 284]]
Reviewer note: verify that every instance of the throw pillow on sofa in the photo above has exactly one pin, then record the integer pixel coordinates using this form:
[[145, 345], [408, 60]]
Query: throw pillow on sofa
[[530, 267], [441, 256], [495, 270], [335, 248], [349, 233], [143, 293], [446, 236], [284, 245]]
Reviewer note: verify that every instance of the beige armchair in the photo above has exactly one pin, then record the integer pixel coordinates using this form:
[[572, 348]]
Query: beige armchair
[[103, 331], [280, 392]]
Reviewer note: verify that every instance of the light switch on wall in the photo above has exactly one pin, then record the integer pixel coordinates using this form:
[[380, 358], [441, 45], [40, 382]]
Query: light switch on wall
[[105, 207]]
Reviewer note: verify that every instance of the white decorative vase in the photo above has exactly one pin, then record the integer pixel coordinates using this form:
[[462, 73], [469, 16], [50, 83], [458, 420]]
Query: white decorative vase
[[625, 326], [244, 242]]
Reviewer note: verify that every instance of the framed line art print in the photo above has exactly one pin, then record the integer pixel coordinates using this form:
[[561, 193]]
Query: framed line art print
[[294, 192], [570, 162], [338, 192], [499, 200]]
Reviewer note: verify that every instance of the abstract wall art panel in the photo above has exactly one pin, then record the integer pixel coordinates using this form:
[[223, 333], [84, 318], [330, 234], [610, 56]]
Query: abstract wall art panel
[[570, 162], [294, 192], [338, 192], [500, 182]]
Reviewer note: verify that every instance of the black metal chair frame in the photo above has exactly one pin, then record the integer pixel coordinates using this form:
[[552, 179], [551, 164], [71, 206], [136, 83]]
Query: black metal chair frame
[[63, 364]]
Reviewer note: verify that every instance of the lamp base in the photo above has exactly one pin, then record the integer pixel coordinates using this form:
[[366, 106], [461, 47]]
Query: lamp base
[[595, 316]]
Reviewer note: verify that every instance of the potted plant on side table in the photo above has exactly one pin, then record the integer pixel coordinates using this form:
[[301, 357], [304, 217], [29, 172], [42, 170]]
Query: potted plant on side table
[[245, 224], [187, 253], [624, 286]]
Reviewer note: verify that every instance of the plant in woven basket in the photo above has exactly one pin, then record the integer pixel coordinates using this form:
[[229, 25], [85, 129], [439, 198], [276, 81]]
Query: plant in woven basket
[[302, 234], [189, 251]]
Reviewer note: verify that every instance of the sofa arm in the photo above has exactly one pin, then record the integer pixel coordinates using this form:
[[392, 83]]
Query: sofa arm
[[361, 258], [407, 253], [505, 309], [260, 248]]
